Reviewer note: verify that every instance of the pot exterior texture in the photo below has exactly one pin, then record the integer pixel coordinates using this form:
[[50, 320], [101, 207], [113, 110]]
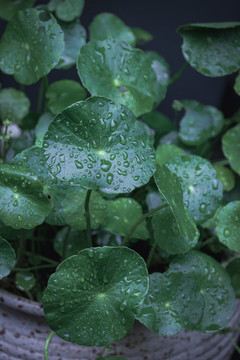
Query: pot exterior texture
[[23, 331]]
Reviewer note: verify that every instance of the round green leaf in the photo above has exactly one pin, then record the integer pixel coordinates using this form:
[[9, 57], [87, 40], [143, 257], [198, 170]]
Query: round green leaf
[[174, 230], [237, 84], [214, 285], [75, 241], [22, 202], [64, 93], [226, 176], [158, 121], [9, 8], [74, 212], [167, 152], [202, 191], [233, 269], [212, 48], [228, 225], [41, 127], [14, 105], [122, 214], [74, 38], [173, 301], [31, 46], [114, 69], [141, 36], [92, 297], [25, 281], [66, 10], [99, 145], [109, 26], [7, 258], [231, 147], [162, 71], [200, 123]]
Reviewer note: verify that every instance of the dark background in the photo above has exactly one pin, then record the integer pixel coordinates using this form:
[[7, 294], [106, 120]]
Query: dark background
[[161, 18]]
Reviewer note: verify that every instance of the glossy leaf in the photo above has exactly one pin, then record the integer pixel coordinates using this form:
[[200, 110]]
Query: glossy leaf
[[158, 121], [174, 230], [66, 10], [9, 8], [109, 26], [231, 147], [64, 93], [228, 225], [41, 127], [7, 258], [173, 301], [233, 269], [25, 281], [167, 152], [75, 241], [212, 48], [74, 38], [122, 214], [226, 176], [202, 191], [141, 36], [114, 69], [37, 51], [22, 202], [14, 105], [200, 123], [162, 71], [99, 145], [92, 297], [74, 212]]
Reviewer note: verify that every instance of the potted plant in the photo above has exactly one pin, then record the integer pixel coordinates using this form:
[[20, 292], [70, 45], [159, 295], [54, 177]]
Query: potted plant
[[110, 212]]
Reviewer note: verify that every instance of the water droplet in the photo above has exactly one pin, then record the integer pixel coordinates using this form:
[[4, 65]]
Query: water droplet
[[203, 207], [105, 165], [226, 232], [19, 218], [109, 178], [78, 164], [123, 306]]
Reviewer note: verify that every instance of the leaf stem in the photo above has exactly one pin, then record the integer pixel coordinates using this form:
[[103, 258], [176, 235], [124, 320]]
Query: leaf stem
[[208, 241], [44, 258], [150, 255], [145, 216], [178, 74], [88, 219], [45, 266], [43, 87], [21, 249], [47, 342], [65, 242], [221, 162]]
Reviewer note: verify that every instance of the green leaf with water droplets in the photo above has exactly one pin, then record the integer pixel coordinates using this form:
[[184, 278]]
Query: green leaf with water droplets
[[122, 214], [64, 93], [233, 269], [141, 36], [92, 297], [158, 121], [74, 38], [99, 145], [167, 152], [22, 202], [212, 48], [202, 191], [200, 122], [25, 280], [9, 8], [228, 225], [214, 285], [109, 26], [66, 10], [114, 69], [174, 230], [173, 301], [75, 241], [7, 258], [226, 176], [41, 127], [74, 212], [162, 71], [231, 147], [14, 105], [31, 46]]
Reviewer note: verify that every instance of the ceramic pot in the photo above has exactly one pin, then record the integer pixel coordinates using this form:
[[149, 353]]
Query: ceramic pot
[[23, 331]]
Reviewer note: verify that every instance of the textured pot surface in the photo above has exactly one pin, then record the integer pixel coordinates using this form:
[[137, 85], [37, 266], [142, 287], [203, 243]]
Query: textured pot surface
[[23, 332]]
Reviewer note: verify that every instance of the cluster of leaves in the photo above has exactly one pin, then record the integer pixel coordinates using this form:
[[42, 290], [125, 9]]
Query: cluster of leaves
[[93, 178]]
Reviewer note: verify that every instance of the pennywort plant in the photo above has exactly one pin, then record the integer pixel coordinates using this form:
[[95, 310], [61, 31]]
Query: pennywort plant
[[109, 211]]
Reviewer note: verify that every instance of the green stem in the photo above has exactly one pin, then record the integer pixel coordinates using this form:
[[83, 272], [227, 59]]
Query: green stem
[[151, 253], [65, 241], [29, 295], [47, 342], [178, 74], [44, 258], [145, 216], [43, 87], [88, 219], [46, 266], [234, 344], [221, 162], [21, 249], [5, 144], [208, 241]]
